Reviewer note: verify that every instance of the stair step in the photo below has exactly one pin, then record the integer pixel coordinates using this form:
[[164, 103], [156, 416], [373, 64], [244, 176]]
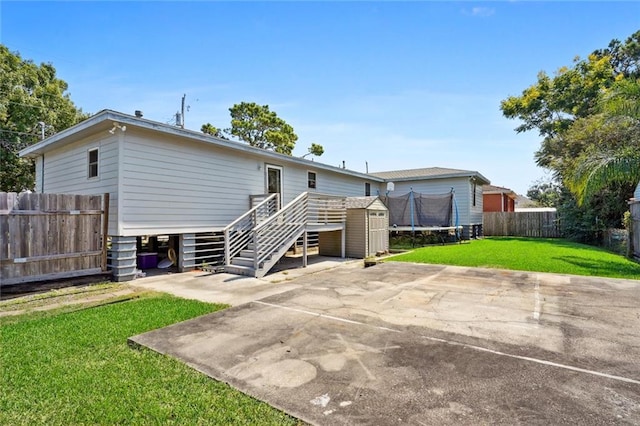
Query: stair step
[[242, 261], [240, 270], [246, 253]]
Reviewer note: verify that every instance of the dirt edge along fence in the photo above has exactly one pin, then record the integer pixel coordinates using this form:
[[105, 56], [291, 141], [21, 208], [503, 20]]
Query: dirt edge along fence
[[52, 236], [542, 224]]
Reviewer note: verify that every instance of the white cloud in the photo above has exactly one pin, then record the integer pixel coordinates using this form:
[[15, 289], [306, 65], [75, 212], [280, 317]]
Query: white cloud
[[479, 11]]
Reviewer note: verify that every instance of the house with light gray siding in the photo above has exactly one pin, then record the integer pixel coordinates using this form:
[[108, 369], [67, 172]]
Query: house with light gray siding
[[207, 194], [465, 184]]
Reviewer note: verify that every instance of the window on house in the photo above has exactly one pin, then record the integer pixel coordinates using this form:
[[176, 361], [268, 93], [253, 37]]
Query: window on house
[[367, 189], [311, 180], [93, 163], [474, 193]]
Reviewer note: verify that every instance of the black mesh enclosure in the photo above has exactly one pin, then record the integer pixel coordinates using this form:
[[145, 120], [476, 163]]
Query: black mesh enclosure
[[399, 210], [428, 210], [433, 210]]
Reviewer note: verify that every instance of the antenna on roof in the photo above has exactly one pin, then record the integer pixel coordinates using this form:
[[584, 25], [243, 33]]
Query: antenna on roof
[[180, 114], [184, 96], [42, 127]]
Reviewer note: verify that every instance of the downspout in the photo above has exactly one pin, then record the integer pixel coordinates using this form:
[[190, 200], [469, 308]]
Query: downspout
[[120, 188], [42, 175]]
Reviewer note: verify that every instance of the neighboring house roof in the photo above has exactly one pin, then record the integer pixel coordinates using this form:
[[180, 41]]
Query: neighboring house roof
[[428, 173], [360, 202], [105, 119], [493, 189], [522, 201]]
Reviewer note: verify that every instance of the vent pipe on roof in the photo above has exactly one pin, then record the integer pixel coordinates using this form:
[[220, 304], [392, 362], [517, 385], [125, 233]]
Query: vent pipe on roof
[[138, 113]]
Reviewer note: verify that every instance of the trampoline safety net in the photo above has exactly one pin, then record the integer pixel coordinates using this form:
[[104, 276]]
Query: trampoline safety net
[[428, 210]]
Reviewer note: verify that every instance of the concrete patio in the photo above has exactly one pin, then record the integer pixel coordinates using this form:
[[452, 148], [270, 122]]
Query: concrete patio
[[402, 343]]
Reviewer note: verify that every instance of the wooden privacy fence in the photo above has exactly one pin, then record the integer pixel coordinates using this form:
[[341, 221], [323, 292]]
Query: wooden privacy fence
[[51, 236], [543, 224]]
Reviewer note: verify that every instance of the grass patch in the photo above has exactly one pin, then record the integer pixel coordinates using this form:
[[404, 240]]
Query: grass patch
[[61, 368], [528, 254]]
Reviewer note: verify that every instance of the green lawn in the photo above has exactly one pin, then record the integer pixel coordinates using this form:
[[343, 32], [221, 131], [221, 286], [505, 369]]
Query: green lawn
[[63, 368], [528, 254]]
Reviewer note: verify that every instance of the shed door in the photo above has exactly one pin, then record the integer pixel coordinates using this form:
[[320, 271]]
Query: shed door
[[378, 231]]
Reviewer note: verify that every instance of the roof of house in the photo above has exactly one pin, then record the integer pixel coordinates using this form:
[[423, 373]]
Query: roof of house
[[359, 202], [522, 201], [493, 189], [105, 120], [428, 173]]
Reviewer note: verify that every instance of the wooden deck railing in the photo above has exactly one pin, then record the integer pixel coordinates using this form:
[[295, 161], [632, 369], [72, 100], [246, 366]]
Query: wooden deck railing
[[239, 233], [268, 233]]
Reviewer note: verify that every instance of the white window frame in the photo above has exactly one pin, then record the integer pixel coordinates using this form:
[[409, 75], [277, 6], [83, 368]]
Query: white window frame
[[91, 164], [315, 179]]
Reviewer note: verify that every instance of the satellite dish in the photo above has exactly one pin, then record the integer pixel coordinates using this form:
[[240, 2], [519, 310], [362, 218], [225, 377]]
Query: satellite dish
[[390, 186]]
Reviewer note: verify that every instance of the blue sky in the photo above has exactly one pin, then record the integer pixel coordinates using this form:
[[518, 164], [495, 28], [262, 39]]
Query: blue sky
[[396, 85]]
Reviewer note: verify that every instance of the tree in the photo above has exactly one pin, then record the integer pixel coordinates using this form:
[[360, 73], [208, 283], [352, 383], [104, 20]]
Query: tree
[[582, 135], [314, 149], [262, 128], [32, 102], [545, 193], [604, 163], [599, 169], [210, 129], [552, 105]]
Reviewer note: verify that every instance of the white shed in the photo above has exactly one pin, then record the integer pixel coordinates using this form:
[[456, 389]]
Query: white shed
[[367, 229]]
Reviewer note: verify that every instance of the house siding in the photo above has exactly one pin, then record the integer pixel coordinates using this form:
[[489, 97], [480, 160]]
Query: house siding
[[65, 172], [498, 203], [295, 182], [174, 186], [195, 178], [468, 214], [357, 234]]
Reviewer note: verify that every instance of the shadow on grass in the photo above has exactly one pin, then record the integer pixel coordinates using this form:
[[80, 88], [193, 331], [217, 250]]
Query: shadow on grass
[[602, 267], [556, 242]]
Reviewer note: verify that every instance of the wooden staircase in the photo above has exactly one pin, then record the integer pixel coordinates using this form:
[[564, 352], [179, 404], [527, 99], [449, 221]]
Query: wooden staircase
[[258, 239]]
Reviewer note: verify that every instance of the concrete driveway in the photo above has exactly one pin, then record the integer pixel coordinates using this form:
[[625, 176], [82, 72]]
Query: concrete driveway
[[422, 344]]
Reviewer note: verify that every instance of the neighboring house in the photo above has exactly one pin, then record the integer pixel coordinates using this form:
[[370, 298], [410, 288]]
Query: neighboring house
[[201, 191], [524, 202], [466, 185], [498, 199]]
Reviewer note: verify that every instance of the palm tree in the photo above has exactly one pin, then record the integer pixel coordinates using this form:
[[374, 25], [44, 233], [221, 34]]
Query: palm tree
[[600, 167]]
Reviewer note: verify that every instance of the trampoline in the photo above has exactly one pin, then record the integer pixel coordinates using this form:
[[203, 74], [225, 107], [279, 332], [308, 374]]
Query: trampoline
[[424, 213]]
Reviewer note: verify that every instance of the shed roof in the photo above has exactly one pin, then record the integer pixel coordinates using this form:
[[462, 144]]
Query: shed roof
[[360, 202], [428, 173]]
